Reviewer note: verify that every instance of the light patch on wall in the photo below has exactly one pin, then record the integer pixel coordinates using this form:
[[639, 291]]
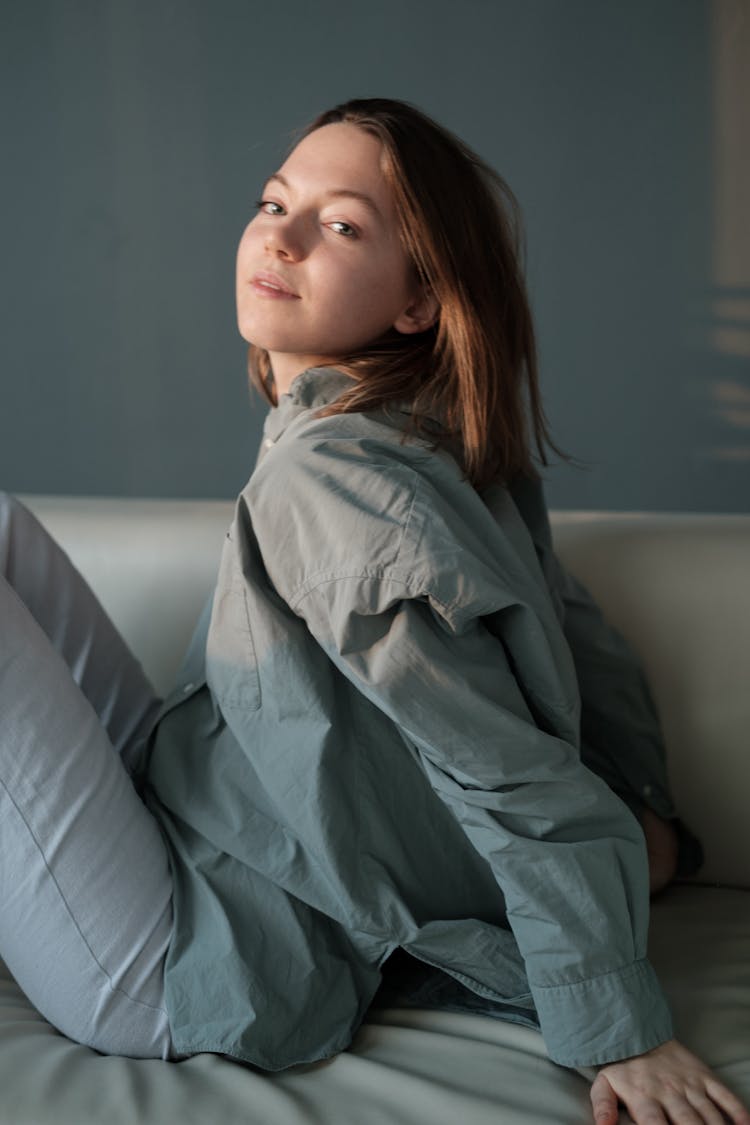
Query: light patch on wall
[[730, 299], [731, 320], [731, 157]]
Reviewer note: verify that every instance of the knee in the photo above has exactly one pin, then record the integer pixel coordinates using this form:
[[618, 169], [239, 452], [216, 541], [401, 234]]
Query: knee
[[12, 515], [20, 538], [10, 505]]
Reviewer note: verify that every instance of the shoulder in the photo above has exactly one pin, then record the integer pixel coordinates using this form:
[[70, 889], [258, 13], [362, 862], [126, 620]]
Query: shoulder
[[347, 464], [343, 498], [335, 497]]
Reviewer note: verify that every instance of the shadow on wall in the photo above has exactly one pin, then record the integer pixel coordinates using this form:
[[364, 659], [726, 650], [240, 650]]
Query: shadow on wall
[[728, 390]]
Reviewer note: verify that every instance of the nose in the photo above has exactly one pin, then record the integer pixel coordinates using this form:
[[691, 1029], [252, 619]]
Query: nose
[[284, 239]]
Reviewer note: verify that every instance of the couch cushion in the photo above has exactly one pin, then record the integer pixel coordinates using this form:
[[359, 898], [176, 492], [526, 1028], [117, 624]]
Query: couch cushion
[[406, 1067]]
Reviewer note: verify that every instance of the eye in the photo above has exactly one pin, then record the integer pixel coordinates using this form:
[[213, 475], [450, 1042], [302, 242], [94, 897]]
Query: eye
[[266, 205], [348, 231]]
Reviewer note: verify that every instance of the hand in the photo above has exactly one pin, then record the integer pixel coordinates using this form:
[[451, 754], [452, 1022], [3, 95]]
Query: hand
[[666, 1084], [662, 847]]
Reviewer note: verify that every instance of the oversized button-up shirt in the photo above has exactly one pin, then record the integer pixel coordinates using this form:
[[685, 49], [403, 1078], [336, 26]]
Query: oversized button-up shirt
[[382, 751]]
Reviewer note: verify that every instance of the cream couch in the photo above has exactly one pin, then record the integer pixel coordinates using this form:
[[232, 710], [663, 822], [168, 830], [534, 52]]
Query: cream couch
[[678, 586]]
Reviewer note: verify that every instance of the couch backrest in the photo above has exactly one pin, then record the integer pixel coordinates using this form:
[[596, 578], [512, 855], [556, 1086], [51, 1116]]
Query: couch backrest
[[152, 564], [677, 586]]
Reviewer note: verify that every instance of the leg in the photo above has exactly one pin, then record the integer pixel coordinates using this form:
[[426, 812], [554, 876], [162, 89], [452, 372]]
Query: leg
[[77, 626], [85, 885]]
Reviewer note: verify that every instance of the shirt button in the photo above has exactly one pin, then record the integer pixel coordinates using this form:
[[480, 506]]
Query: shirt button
[[268, 443], [187, 687], [648, 790]]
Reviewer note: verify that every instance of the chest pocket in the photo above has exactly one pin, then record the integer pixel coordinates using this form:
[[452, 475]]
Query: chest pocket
[[231, 659]]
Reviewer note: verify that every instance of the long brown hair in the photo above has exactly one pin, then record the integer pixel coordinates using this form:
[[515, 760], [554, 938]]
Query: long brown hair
[[475, 368]]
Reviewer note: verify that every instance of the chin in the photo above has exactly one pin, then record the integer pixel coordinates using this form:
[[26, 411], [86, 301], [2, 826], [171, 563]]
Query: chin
[[250, 336]]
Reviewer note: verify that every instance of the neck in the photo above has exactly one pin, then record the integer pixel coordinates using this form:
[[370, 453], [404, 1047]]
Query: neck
[[286, 368]]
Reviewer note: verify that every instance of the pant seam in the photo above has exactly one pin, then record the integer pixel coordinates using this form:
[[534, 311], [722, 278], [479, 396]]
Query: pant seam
[[113, 988]]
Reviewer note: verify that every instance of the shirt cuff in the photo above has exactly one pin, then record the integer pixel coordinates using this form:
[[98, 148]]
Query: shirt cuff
[[604, 1018]]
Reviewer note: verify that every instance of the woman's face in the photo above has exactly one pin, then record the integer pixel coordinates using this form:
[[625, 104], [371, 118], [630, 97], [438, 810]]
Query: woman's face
[[320, 269]]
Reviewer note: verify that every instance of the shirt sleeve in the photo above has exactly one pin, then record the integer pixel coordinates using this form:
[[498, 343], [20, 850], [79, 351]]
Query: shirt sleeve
[[567, 855]]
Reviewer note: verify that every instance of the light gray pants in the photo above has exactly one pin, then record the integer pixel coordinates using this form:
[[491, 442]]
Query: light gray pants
[[85, 886]]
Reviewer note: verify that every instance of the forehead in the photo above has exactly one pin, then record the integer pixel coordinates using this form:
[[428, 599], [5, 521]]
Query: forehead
[[341, 157]]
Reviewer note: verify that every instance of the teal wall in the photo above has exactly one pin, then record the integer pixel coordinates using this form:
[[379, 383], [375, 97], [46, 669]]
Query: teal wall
[[138, 133]]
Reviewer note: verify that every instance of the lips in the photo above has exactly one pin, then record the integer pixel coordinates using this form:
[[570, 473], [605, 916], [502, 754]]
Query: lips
[[268, 284]]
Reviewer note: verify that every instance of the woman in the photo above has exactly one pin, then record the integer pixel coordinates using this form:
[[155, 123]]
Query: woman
[[375, 744]]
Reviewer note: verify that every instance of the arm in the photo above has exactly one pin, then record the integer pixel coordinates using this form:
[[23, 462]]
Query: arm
[[567, 856], [621, 740]]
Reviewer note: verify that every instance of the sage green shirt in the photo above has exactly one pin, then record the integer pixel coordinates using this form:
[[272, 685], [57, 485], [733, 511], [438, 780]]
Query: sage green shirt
[[375, 743]]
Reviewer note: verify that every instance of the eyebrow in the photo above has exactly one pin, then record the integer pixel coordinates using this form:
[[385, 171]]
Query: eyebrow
[[335, 193]]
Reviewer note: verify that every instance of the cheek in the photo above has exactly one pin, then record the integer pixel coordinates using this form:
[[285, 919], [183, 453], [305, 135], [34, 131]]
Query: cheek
[[246, 243], [385, 287], [240, 257]]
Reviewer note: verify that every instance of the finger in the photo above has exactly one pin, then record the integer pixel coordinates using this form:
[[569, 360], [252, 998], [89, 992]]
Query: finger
[[603, 1102], [704, 1107], [647, 1111], [679, 1111], [731, 1105]]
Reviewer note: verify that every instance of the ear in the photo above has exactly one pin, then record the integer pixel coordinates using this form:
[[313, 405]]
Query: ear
[[420, 314]]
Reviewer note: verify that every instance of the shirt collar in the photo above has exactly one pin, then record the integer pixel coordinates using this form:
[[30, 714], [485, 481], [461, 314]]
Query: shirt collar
[[313, 388]]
